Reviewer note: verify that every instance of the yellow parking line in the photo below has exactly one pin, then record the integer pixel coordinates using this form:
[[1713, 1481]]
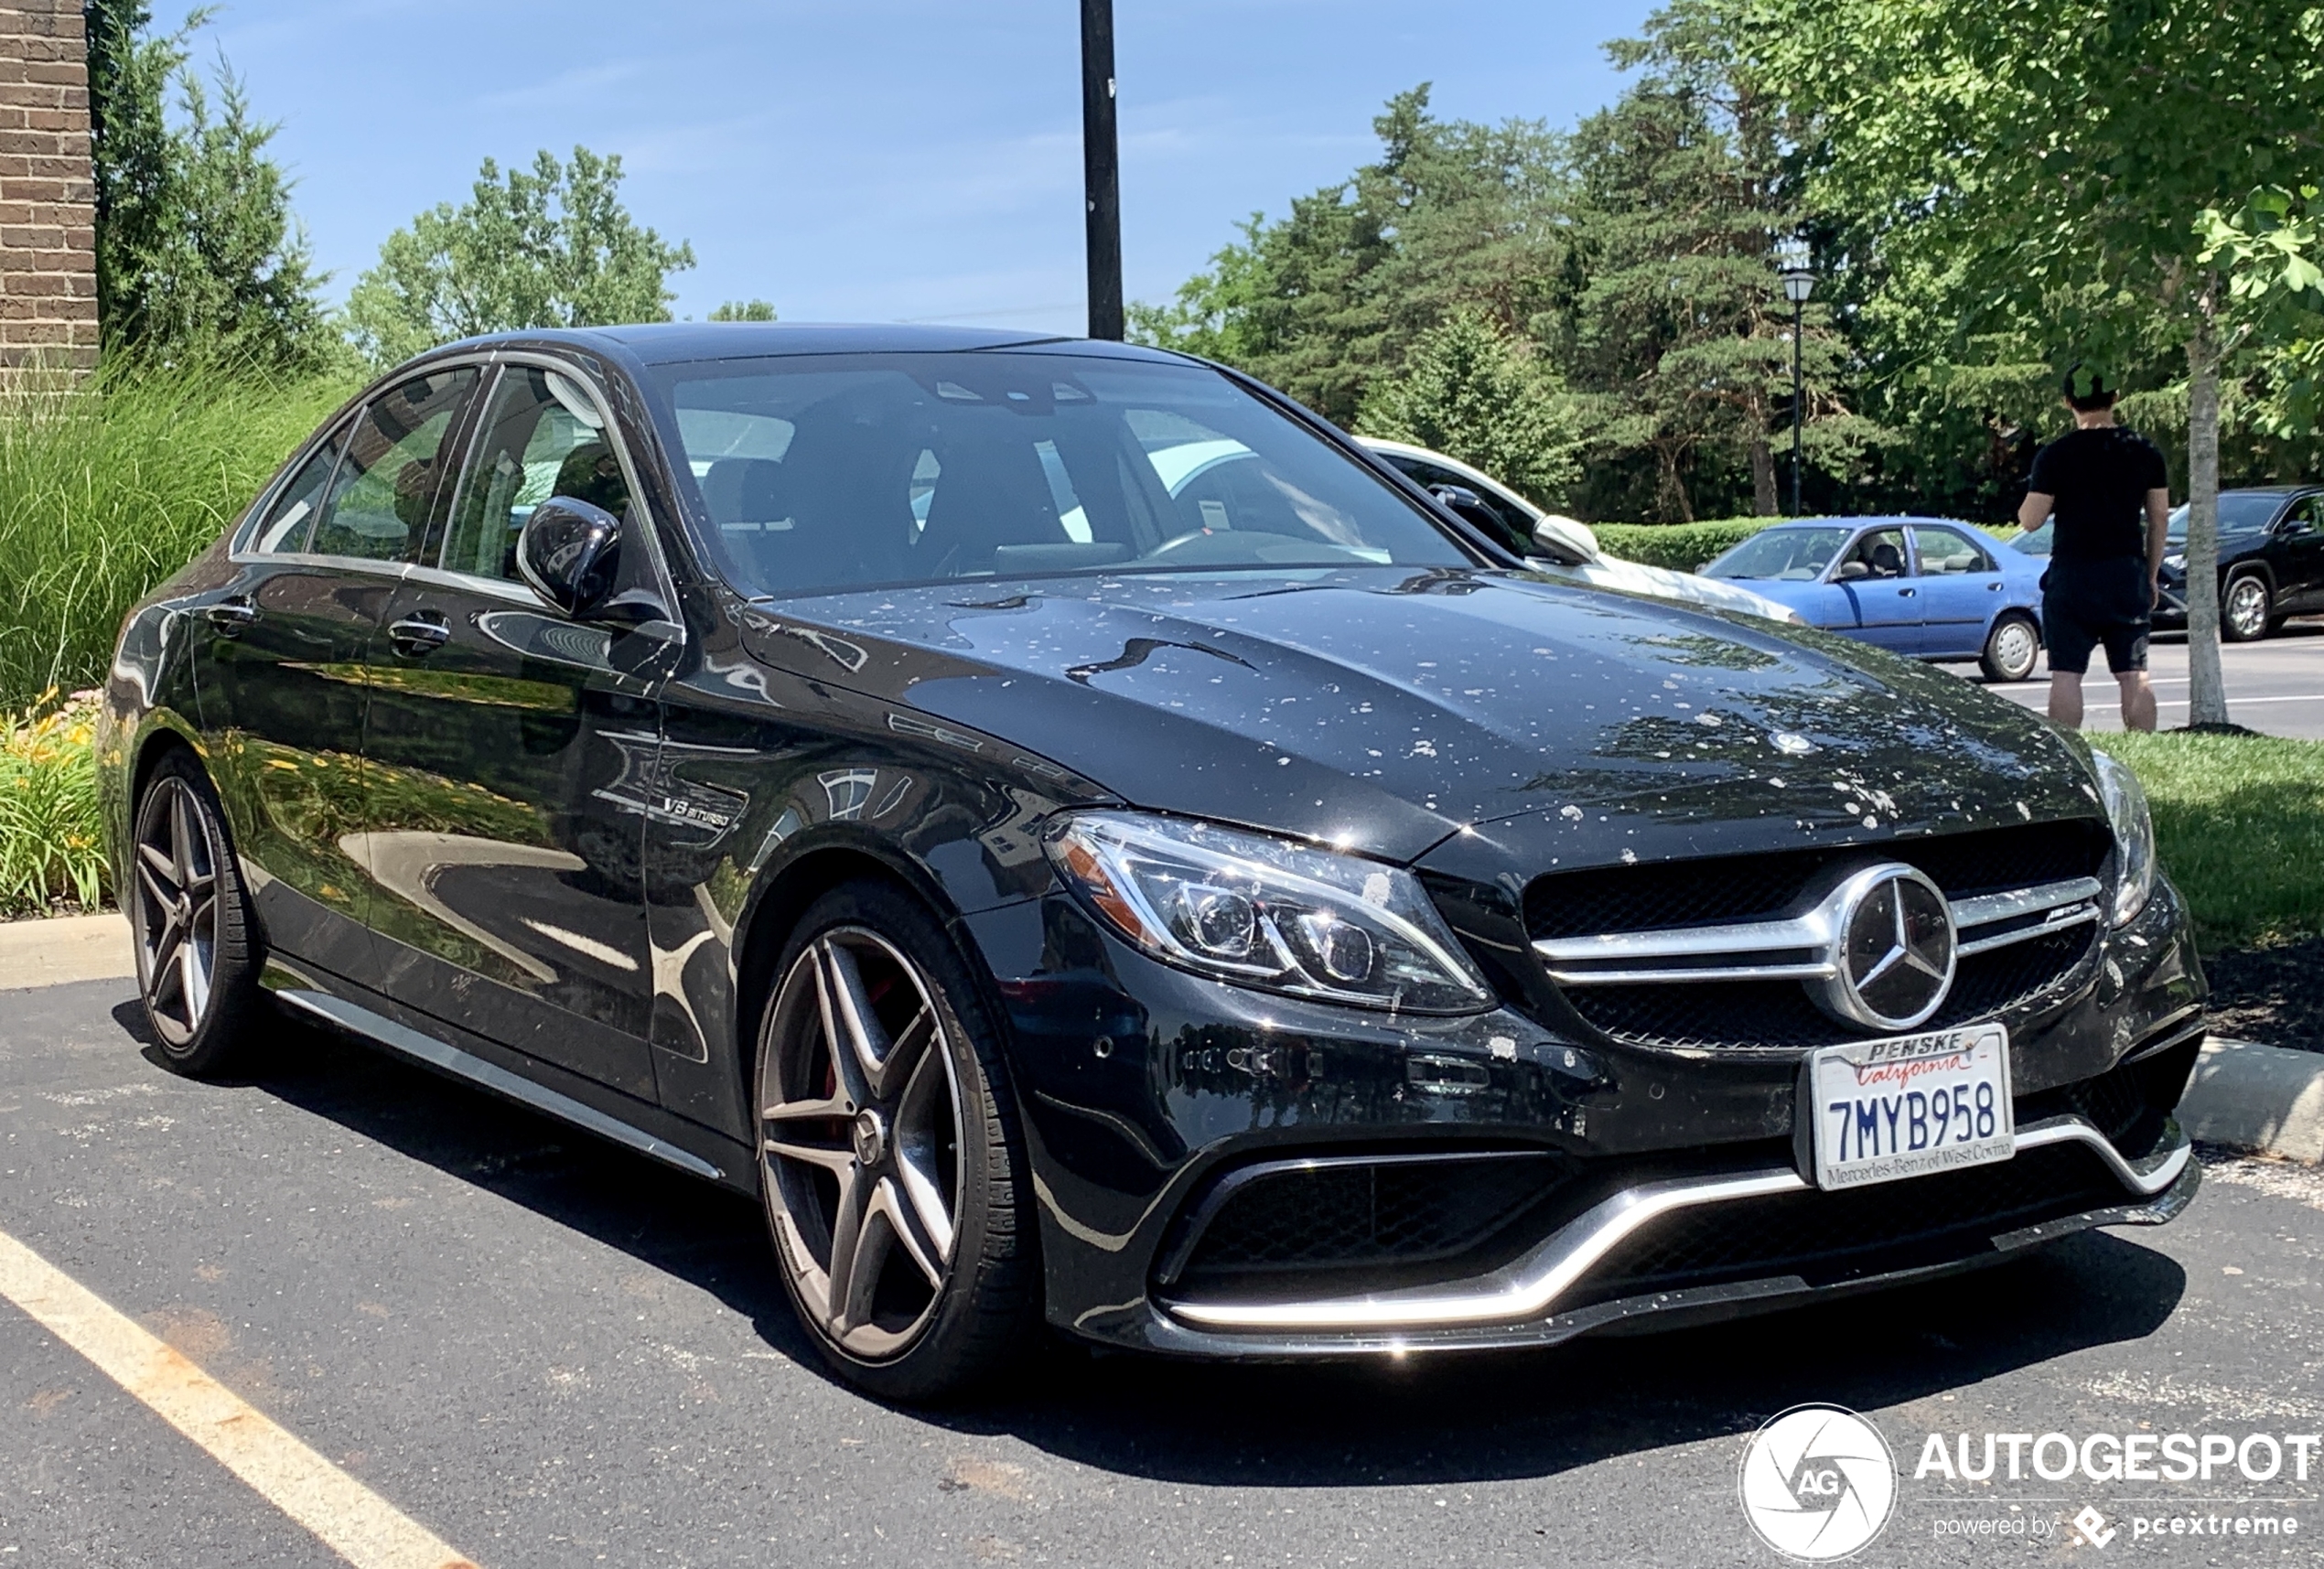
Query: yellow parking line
[[352, 1520]]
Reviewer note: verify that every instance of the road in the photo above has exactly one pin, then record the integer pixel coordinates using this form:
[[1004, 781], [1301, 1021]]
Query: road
[[550, 1352], [2276, 685]]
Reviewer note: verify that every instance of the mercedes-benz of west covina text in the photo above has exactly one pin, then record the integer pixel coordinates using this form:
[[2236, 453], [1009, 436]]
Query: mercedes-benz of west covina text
[[1088, 844]]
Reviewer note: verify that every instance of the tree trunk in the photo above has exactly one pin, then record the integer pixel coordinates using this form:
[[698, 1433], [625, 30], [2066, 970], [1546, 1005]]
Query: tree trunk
[[1763, 501], [2207, 694]]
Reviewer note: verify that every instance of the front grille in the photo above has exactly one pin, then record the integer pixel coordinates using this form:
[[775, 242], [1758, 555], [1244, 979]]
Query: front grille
[[1775, 1014], [1830, 1238], [1754, 887], [1779, 1014], [1341, 1215]]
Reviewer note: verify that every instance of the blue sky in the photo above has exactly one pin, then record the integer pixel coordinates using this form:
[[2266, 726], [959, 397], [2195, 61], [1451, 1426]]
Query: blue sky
[[883, 160]]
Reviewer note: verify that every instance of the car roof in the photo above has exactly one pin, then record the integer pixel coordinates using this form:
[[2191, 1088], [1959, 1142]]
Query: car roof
[[677, 342], [1867, 522]]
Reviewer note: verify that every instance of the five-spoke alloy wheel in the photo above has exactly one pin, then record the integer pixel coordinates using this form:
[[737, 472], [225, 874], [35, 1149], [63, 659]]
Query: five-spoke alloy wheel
[[884, 1156], [196, 968], [2248, 609]]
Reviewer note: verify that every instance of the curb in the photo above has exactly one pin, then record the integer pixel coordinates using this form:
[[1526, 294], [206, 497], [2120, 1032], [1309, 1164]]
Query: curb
[[2261, 1099], [66, 948]]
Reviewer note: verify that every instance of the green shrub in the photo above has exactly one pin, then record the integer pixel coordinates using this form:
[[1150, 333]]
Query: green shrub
[[107, 490], [1681, 547], [51, 845]]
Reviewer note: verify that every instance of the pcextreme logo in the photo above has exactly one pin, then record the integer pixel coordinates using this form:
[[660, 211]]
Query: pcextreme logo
[[1818, 1483]]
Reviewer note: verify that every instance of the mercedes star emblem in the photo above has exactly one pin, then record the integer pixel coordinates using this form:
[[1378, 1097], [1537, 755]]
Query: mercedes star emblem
[[1892, 949]]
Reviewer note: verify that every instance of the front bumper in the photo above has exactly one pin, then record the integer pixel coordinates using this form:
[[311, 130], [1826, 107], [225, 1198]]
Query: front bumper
[[1144, 1090]]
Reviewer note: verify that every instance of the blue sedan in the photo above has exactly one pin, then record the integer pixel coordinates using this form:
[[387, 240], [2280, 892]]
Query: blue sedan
[[1922, 586]]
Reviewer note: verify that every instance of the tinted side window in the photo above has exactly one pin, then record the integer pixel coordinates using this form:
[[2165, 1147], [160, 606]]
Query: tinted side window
[[541, 437], [387, 482], [1516, 531], [292, 522], [1943, 551]]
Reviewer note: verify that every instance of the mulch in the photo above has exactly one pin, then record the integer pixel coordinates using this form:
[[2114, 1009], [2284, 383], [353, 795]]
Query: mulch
[[2272, 995]]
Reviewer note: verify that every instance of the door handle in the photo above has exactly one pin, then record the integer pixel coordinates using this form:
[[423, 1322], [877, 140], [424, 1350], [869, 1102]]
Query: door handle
[[418, 636], [1993, 587], [233, 617], [1907, 593]]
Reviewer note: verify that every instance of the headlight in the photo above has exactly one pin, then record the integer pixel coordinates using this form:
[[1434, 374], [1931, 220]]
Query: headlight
[[1268, 913], [2126, 802]]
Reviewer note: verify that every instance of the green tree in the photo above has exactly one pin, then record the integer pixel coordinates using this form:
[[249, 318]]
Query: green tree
[[1320, 303], [2071, 164], [197, 254], [1678, 326], [744, 310], [1473, 390], [551, 246]]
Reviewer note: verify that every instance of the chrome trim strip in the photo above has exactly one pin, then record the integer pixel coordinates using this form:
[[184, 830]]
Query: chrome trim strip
[[1626, 958], [1528, 1286], [1987, 909], [426, 1048]]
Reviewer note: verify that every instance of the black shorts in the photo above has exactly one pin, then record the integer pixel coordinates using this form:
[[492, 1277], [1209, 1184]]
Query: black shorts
[[2086, 603]]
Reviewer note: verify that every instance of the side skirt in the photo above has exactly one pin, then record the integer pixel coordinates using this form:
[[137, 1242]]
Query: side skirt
[[581, 1102]]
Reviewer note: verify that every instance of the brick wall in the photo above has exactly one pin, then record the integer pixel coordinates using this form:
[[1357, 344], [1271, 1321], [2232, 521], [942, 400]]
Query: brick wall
[[48, 237]]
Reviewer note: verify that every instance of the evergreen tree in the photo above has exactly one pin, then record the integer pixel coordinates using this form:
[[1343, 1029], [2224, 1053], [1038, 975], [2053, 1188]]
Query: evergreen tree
[[1475, 391], [198, 254]]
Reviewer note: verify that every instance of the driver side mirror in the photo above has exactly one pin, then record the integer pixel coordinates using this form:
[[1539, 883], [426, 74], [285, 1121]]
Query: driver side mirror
[[1852, 572], [568, 552], [1469, 506], [1564, 541]]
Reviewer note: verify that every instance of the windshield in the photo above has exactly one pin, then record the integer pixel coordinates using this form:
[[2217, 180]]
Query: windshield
[[1789, 556], [2244, 512], [824, 472]]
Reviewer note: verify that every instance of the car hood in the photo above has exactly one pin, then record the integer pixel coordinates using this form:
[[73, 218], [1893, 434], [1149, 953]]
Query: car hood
[[1386, 709]]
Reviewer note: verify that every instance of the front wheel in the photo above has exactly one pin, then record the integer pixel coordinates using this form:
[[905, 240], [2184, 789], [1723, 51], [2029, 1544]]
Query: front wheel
[[2247, 608], [2011, 649], [889, 1160], [195, 935]]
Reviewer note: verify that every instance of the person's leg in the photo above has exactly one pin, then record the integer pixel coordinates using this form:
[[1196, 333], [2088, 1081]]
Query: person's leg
[[2127, 657], [2138, 700], [2065, 698]]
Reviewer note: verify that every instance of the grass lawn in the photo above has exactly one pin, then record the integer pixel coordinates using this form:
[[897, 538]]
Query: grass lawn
[[2240, 822]]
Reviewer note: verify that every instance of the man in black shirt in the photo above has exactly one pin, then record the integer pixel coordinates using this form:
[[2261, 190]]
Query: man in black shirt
[[2109, 491]]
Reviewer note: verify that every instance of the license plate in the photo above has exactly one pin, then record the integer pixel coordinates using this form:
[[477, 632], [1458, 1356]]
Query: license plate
[[1882, 1109]]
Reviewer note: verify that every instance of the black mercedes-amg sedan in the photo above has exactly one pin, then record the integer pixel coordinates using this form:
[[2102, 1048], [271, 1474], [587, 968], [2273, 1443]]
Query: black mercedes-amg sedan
[[1084, 844]]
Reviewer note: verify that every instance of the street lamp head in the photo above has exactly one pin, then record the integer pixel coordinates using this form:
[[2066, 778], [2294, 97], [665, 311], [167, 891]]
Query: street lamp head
[[1792, 262]]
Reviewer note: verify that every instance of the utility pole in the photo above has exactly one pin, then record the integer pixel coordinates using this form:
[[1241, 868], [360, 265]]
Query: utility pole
[[1101, 169]]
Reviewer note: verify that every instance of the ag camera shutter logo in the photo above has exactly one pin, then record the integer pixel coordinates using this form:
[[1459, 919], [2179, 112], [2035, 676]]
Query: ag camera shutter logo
[[1818, 1483]]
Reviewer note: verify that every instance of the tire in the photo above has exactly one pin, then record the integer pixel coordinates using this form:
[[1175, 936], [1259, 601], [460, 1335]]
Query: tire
[[2247, 609], [890, 1164], [197, 938], [2012, 648]]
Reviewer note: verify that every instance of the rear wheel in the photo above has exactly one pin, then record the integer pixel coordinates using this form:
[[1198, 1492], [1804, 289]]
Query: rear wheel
[[889, 1157], [2247, 609], [2011, 649], [196, 937]]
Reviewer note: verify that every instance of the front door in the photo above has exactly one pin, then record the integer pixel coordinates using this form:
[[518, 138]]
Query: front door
[[280, 660], [1960, 585], [2300, 537], [1884, 597], [501, 842]]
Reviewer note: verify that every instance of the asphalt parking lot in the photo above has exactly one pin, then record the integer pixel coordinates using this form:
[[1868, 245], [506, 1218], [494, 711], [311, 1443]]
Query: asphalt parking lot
[[2276, 685], [549, 1352]]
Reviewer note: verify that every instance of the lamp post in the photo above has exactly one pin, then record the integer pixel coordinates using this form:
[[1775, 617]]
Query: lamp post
[[1798, 283], [1101, 169]]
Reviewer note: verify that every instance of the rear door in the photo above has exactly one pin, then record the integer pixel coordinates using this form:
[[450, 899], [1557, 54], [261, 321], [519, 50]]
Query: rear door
[[504, 744], [279, 667], [1886, 598], [1960, 587]]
